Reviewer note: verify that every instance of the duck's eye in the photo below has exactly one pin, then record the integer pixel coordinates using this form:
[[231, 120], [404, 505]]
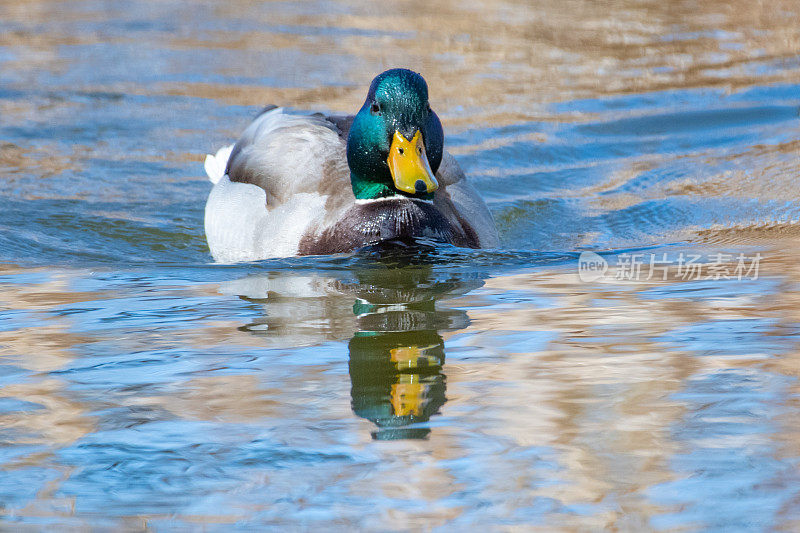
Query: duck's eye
[[401, 151], [375, 108], [419, 150]]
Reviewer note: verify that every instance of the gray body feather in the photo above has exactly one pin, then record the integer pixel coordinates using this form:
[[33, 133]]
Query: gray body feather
[[286, 191]]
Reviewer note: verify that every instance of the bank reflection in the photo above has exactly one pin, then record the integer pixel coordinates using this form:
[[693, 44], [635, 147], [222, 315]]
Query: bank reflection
[[396, 350]]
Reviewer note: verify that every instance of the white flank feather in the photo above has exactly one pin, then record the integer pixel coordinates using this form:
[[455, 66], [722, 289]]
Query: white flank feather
[[289, 153], [215, 165], [239, 227]]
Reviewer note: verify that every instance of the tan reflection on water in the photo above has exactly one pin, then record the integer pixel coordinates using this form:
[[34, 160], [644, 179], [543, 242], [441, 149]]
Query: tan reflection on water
[[490, 61], [613, 443], [604, 336], [58, 418], [598, 391], [618, 443], [595, 393], [498, 61]]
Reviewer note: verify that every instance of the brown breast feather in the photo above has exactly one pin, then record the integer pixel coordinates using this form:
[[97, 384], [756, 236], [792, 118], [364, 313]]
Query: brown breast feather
[[382, 220]]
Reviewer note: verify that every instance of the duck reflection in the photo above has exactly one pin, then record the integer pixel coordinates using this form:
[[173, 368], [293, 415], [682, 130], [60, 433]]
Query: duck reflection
[[397, 355], [396, 351], [397, 380]]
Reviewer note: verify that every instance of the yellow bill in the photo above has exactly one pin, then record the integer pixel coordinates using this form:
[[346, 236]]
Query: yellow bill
[[409, 166], [410, 357], [409, 396]]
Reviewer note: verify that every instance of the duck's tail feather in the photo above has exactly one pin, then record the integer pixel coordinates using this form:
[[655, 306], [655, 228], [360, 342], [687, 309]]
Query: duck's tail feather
[[215, 165]]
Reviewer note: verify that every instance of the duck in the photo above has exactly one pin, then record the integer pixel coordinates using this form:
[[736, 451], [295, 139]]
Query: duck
[[306, 183]]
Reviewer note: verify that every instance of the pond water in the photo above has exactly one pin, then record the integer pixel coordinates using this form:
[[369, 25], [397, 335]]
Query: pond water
[[143, 386]]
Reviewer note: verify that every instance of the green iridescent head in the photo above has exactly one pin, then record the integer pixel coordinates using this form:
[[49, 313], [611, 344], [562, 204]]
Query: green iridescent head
[[396, 140]]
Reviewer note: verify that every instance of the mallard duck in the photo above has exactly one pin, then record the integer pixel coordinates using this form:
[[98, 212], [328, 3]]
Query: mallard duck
[[301, 183]]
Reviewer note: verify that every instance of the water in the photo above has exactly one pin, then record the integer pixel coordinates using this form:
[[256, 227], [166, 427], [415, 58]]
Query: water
[[143, 386]]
